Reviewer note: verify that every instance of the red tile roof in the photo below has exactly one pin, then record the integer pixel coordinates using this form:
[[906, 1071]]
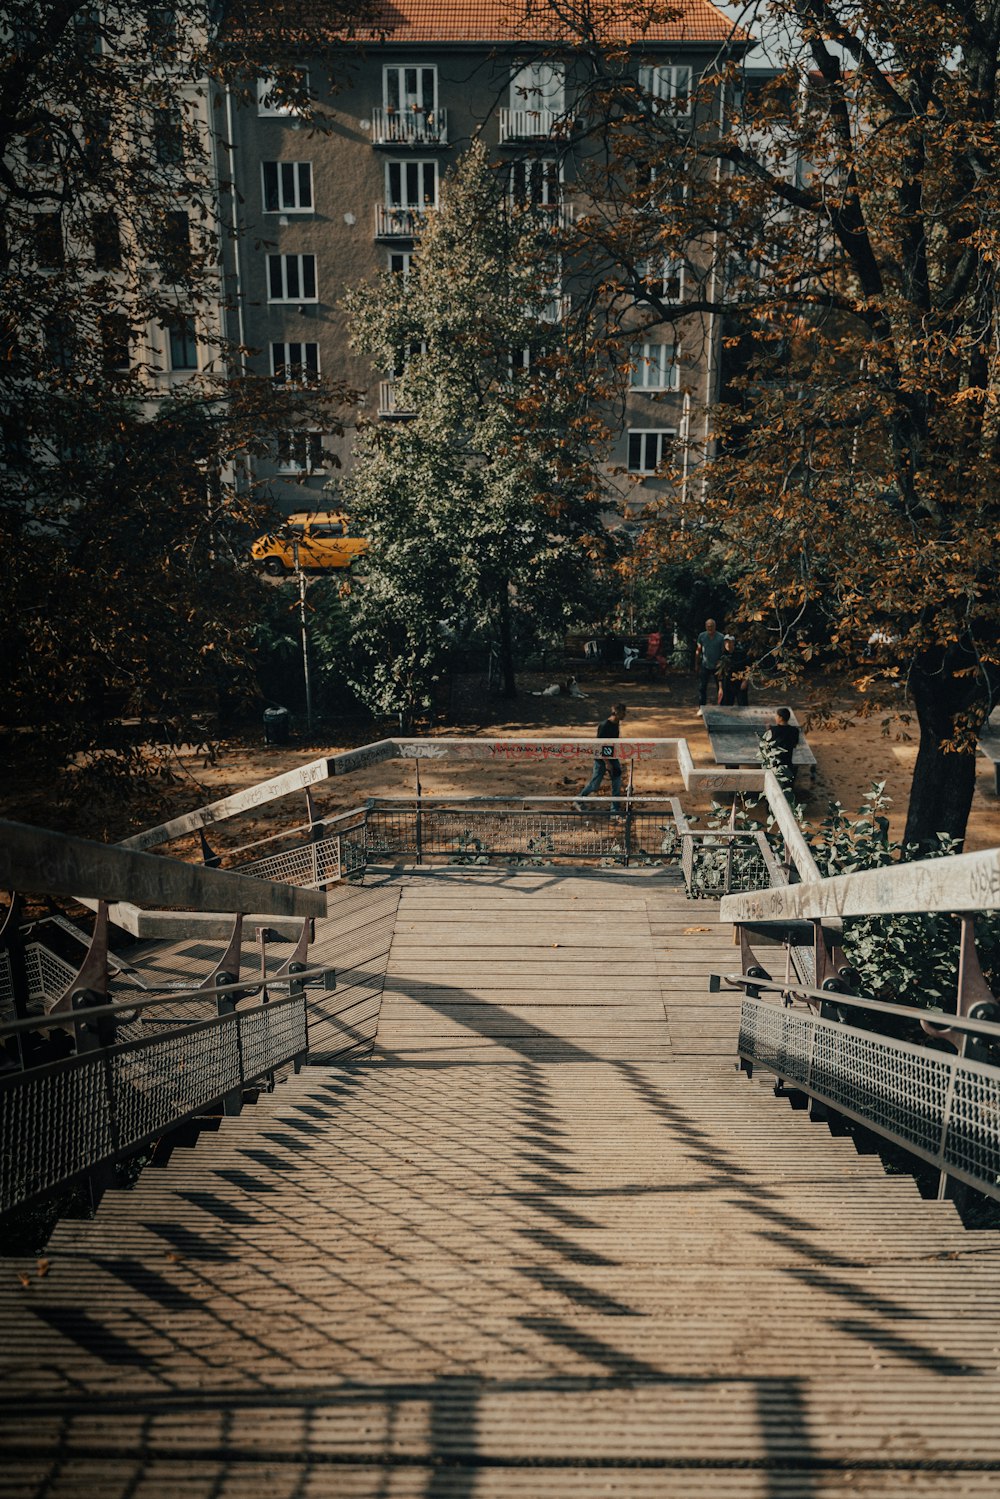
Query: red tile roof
[[488, 21], [538, 20]]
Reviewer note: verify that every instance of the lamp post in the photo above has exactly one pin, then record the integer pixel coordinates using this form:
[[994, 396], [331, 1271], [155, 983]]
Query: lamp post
[[305, 635]]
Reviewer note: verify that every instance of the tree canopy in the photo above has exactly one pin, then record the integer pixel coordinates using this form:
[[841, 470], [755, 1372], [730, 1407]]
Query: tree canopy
[[126, 498], [839, 225], [483, 504]]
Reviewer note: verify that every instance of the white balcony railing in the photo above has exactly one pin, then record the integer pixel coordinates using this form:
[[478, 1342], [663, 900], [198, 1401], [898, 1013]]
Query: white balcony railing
[[409, 127], [387, 401], [551, 215], [533, 124], [399, 223]]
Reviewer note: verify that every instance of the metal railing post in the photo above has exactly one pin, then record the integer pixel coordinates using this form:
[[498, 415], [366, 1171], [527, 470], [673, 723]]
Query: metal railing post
[[96, 1036], [225, 1004], [420, 815]]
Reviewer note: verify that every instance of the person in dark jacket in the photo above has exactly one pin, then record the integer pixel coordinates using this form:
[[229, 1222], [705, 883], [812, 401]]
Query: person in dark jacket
[[731, 674], [782, 737], [607, 761]]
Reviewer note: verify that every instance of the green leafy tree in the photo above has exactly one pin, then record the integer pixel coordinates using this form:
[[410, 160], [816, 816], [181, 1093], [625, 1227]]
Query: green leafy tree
[[483, 503]]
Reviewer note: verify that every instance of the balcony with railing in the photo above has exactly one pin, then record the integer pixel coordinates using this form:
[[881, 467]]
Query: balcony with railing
[[518, 125], [549, 217], [409, 127], [400, 223], [388, 405]]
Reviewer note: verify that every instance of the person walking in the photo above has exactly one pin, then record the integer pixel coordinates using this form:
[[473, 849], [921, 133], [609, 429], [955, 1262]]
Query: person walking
[[731, 674], [707, 654], [607, 760]]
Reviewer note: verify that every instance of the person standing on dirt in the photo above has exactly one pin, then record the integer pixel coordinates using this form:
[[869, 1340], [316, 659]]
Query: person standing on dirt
[[707, 654], [731, 674], [607, 760]]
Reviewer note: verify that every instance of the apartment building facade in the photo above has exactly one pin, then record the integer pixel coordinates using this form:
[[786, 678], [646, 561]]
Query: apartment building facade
[[325, 207]]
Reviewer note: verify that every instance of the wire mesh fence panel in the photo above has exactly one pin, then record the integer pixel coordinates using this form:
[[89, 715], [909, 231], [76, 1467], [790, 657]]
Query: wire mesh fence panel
[[49, 976], [898, 1090], [270, 1035], [315, 862], [714, 866], [155, 1083], [53, 1123], [972, 1143], [654, 838], [748, 868], [941, 1107], [8, 1010], [353, 851], [67, 1116], [777, 1039], [478, 835], [391, 832]]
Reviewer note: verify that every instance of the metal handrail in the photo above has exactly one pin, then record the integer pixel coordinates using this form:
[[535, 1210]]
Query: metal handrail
[[302, 827], [247, 989], [387, 802], [935, 1018]]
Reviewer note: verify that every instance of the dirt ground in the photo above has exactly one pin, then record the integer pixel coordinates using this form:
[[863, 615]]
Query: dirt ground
[[849, 758]]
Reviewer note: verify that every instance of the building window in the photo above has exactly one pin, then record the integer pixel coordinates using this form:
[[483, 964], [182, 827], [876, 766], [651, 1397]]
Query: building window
[[174, 253], [300, 453], [59, 342], [662, 278], [183, 341], [655, 367], [287, 186], [98, 130], [168, 137], [294, 363], [410, 90], [400, 262], [539, 88], [87, 22], [161, 27], [272, 94], [107, 241], [116, 341], [648, 447], [535, 182], [48, 240], [291, 278], [411, 184], [668, 86]]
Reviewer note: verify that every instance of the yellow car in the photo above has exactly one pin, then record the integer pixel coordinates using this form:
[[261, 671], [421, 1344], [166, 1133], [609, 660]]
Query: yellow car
[[323, 539]]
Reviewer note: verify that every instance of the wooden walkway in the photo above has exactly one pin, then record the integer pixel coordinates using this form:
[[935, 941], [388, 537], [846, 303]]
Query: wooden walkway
[[546, 1242]]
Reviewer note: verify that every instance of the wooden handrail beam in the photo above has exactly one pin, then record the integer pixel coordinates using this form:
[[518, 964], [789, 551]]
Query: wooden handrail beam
[[958, 882], [38, 861]]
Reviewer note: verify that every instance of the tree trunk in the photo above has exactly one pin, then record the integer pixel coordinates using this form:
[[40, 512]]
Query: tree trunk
[[943, 779], [509, 688]]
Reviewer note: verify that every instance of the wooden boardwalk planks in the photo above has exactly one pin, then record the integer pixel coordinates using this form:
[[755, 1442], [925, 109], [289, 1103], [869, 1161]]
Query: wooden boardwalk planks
[[554, 963], [545, 1244]]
